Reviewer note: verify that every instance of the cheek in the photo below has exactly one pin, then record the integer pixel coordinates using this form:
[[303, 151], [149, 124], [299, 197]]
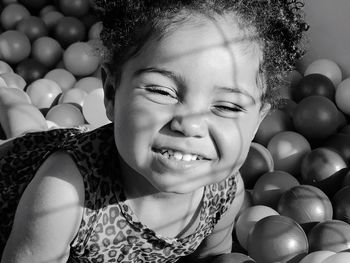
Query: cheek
[[234, 139]]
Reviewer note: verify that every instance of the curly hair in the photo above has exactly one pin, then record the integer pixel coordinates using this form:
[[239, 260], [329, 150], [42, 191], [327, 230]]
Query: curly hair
[[278, 26]]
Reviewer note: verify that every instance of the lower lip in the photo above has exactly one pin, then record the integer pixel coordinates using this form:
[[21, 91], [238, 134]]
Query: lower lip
[[176, 165]]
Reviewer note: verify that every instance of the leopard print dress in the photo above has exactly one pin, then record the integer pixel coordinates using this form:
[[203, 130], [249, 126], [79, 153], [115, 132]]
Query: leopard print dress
[[109, 230]]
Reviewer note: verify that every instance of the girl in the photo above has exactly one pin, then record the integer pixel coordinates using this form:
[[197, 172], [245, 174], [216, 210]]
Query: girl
[[187, 84]]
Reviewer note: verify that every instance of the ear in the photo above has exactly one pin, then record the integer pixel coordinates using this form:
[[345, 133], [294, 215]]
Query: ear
[[109, 88], [265, 109]]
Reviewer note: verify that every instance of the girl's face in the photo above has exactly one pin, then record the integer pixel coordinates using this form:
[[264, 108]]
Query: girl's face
[[188, 106]]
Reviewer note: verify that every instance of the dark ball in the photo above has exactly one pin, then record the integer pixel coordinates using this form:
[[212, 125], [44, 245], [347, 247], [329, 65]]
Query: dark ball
[[277, 238], [306, 204], [331, 235], [341, 204], [316, 117], [69, 30], [275, 121], [258, 162], [31, 70], [314, 84]]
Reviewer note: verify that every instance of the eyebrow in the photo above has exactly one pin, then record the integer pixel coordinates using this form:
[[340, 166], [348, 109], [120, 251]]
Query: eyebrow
[[179, 80], [238, 91]]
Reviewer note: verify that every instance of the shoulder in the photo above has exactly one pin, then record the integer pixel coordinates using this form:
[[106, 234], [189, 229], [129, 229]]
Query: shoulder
[[220, 240], [52, 205]]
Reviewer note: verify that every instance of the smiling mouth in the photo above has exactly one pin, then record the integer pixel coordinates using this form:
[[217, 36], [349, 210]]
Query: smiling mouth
[[179, 156]]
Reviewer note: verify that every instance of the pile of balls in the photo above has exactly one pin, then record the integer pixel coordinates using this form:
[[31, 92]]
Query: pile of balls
[[49, 66], [297, 174]]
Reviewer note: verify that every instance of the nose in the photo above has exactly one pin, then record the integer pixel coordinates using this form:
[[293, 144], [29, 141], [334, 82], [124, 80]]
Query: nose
[[190, 125]]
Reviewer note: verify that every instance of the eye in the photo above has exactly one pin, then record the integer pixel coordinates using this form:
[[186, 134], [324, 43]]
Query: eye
[[228, 109], [161, 94]]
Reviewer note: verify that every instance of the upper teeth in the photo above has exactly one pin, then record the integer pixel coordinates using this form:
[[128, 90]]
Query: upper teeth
[[181, 156]]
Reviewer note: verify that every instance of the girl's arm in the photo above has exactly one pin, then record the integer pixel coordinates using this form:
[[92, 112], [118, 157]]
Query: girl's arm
[[48, 215], [220, 241]]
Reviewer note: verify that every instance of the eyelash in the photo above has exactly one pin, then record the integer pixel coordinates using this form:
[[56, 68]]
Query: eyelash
[[161, 90]]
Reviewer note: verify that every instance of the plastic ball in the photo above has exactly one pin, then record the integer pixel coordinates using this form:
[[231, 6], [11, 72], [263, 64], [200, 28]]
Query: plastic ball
[[5, 67], [339, 142], [248, 219], [13, 80], [14, 46], [80, 59], [65, 115], [233, 257], [74, 7], [341, 204], [274, 122], [47, 51], [316, 117], [46, 9], [313, 84], [73, 96], [287, 149], [332, 235], [306, 204], [247, 202], [88, 84], [257, 162], [95, 30], [341, 257], [8, 2], [277, 238], [31, 70], [327, 68], [51, 19], [346, 179], [34, 5], [345, 129], [69, 30], [317, 256], [288, 106], [292, 79], [43, 93], [62, 77], [12, 14], [33, 27], [269, 188], [342, 121], [94, 109], [321, 164], [342, 96]]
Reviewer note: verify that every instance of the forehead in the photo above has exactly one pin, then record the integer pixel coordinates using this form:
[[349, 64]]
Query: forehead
[[199, 33], [216, 48]]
